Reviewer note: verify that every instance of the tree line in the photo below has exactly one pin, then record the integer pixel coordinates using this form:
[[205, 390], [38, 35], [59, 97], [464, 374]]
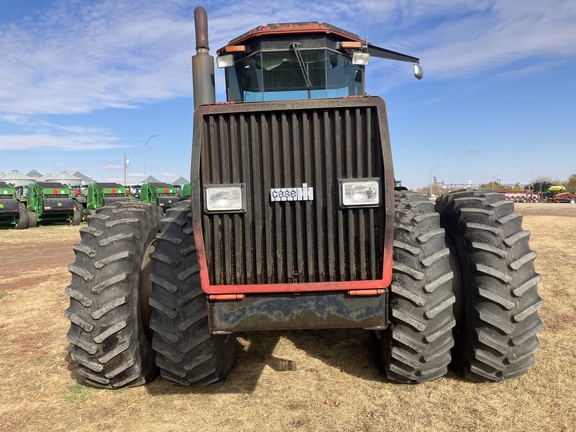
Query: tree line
[[569, 184]]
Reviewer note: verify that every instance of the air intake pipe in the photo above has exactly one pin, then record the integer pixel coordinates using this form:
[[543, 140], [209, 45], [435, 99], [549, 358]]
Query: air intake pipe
[[202, 62]]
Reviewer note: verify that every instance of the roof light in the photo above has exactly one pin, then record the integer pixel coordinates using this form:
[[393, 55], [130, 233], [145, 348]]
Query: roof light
[[235, 48], [351, 45], [360, 58], [225, 61]]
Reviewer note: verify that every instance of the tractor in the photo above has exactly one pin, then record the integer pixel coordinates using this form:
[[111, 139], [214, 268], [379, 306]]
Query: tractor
[[295, 222]]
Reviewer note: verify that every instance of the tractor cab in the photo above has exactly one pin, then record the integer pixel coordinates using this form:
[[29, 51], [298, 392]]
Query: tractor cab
[[299, 61]]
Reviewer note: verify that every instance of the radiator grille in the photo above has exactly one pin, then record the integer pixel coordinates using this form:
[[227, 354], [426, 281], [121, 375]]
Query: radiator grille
[[293, 241]]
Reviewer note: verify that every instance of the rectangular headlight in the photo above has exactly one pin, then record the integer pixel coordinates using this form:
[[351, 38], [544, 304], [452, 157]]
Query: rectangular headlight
[[360, 58], [225, 61], [360, 192], [229, 198]]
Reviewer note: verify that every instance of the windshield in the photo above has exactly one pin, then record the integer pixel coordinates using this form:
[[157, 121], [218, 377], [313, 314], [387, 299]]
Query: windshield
[[279, 75]]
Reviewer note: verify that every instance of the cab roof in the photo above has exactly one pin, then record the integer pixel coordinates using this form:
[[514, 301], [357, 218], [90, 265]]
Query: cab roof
[[294, 28], [314, 27]]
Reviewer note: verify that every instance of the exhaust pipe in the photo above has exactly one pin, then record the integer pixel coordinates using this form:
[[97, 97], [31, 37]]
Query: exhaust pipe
[[202, 62]]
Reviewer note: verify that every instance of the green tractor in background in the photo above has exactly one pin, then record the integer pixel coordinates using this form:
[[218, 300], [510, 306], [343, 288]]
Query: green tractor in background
[[12, 211], [101, 194], [161, 194], [51, 202]]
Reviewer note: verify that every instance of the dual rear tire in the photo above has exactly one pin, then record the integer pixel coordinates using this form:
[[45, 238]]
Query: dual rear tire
[[495, 284], [129, 322], [464, 290]]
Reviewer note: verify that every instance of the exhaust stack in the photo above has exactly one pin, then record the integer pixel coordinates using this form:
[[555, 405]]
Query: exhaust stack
[[202, 62]]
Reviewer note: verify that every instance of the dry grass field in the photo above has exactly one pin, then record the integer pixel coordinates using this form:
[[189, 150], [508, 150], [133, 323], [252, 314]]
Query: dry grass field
[[316, 380]]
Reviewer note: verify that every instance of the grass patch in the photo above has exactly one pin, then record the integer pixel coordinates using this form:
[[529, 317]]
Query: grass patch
[[4, 294], [77, 393]]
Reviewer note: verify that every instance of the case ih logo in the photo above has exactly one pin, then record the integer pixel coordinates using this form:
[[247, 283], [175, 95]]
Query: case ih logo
[[303, 193]]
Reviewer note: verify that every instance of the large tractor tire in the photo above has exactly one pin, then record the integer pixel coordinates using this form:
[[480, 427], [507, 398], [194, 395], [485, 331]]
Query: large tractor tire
[[23, 220], [32, 219], [416, 345], [495, 283], [186, 351], [76, 216], [109, 296]]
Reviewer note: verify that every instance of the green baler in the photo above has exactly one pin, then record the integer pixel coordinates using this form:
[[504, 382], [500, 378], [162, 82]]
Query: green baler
[[51, 202], [161, 194], [11, 212], [101, 194]]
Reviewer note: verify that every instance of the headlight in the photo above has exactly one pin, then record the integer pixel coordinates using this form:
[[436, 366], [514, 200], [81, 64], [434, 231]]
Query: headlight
[[225, 61], [360, 192], [225, 198], [360, 58]]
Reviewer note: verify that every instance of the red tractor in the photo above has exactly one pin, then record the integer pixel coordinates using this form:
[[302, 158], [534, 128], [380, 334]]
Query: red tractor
[[294, 222]]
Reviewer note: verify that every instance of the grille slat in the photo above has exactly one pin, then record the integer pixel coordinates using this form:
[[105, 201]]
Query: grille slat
[[293, 241]]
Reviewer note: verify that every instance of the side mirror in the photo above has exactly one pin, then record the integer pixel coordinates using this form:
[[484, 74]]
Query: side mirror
[[418, 71]]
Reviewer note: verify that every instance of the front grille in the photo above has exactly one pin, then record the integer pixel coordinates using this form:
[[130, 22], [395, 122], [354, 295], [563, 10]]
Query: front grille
[[293, 241]]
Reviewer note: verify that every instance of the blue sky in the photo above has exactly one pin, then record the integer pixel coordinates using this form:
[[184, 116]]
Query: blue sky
[[83, 82]]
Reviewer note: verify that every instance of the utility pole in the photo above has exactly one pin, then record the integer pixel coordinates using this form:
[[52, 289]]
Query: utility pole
[[145, 174], [126, 162]]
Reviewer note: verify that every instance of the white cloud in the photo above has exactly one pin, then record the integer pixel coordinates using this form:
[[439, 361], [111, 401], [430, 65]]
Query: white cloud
[[86, 56], [55, 142], [506, 32]]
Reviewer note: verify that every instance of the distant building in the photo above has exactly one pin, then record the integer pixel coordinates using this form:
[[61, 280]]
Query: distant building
[[34, 174], [17, 178], [85, 180], [180, 181], [67, 179], [150, 179]]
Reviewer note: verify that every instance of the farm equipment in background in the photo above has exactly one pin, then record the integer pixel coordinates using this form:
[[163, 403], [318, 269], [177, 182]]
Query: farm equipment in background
[[51, 202], [294, 222], [185, 191], [12, 211], [78, 194], [101, 194], [564, 197], [526, 196], [161, 194]]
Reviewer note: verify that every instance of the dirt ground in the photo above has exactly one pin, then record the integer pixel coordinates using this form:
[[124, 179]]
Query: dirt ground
[[313, 380]]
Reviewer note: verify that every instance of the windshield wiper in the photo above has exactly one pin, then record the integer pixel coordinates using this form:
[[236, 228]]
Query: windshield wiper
[[296, 47]]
